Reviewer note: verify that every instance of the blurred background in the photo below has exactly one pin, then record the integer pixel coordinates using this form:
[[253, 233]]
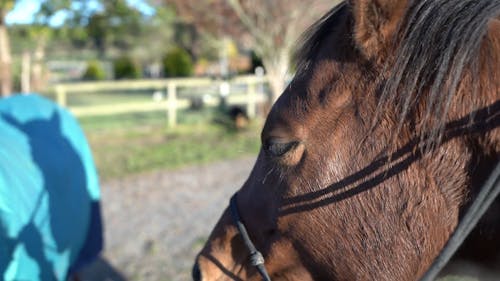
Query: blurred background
[[171, 95]]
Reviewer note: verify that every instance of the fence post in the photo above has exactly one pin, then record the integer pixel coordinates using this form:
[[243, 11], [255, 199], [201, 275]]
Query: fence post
[[251, 96], [61, 95], [172, 104]]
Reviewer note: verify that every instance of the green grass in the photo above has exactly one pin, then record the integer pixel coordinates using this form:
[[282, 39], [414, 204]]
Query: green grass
[[136, 121], [133, 143]]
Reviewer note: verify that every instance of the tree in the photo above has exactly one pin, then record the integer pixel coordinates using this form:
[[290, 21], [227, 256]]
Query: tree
[[118, 25], [5, 56], [48, 8], [271, 27], [41, 33], [156, 36]]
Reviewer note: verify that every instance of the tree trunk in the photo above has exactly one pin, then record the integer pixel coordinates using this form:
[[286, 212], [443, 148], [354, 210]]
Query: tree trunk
[[5, 58], [37, 79], [276, 70], [26, 73]]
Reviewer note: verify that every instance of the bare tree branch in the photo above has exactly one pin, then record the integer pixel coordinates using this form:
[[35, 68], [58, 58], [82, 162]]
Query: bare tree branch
[[273, 26]]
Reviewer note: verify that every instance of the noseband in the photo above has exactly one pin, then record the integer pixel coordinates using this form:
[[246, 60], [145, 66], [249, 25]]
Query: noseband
[[256, 258], [488, 192]]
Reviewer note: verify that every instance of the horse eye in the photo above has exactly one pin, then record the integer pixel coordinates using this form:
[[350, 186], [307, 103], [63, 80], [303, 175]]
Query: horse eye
[[276, 148]]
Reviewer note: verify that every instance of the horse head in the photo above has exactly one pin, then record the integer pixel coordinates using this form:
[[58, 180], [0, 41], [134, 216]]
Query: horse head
[[375, 148]]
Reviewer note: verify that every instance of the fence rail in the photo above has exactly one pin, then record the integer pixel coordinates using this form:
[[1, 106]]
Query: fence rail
[[252, 96]]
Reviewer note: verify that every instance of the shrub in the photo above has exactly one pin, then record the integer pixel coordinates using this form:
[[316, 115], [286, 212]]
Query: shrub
[[177, 63], [94, 71], [126, 68]]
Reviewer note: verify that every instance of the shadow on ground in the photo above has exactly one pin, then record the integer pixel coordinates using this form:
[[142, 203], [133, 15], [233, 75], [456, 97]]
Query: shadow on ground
[[101, 270]]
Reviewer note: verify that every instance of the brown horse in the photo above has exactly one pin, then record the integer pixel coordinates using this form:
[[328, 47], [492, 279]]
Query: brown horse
[[375, 150]]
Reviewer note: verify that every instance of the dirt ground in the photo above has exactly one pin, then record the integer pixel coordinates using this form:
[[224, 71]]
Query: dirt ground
[[155, 223]]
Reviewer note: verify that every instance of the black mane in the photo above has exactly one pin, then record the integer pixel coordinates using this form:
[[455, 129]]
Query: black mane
[[438, 41], [313, 37]]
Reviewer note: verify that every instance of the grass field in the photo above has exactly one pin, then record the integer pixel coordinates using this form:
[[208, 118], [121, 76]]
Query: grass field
[[134, 143]]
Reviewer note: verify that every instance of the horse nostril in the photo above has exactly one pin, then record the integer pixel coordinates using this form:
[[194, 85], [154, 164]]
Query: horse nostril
[[196, 273]]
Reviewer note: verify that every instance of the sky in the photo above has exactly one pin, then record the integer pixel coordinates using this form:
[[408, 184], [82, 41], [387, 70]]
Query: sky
[[25, 9]]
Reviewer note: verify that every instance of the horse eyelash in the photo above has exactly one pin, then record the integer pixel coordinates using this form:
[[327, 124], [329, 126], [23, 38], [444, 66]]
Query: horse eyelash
[[267, 175]]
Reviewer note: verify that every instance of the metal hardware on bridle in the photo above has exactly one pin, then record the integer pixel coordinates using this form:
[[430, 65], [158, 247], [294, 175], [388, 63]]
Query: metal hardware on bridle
[[256, 258], [489, 191]]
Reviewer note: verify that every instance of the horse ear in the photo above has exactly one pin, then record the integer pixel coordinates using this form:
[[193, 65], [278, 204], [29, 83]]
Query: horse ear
[[375, 24]]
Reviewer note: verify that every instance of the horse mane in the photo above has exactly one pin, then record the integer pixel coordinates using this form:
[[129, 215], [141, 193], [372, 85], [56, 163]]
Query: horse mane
[[437, 42], [440, 41], [312, 39]]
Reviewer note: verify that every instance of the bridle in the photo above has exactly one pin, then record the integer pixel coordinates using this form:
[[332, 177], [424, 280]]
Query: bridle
[[487, 194], [256, 258], [489, 191]]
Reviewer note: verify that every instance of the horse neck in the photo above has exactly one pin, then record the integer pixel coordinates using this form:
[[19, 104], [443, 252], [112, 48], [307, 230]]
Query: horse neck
[[489, 85]]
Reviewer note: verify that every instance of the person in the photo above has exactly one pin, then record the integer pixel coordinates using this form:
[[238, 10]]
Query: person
[[50, 219]]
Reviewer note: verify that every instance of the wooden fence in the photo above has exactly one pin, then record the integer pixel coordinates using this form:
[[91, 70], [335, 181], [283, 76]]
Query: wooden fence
[[249, 98]]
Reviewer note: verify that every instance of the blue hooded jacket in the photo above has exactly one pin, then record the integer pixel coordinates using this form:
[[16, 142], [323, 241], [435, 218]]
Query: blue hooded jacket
[[50, 221]]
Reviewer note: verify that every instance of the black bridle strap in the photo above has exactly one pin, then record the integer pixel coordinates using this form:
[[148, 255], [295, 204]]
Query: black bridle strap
[[256, 258], [486, 197], [488, 193]]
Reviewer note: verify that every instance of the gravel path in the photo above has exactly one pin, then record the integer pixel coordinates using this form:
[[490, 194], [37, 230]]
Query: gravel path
[[155, 223]]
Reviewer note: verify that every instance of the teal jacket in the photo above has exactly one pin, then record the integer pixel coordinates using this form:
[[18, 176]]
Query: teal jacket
[[50, 221]]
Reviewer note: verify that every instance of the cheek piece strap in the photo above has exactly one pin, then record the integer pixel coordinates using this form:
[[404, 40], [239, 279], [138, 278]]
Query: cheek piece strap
[[256, 258]]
